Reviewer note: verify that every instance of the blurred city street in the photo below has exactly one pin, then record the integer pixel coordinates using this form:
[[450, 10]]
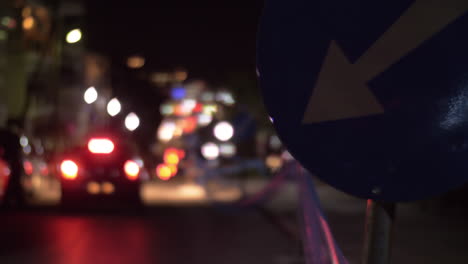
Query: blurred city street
[[172, 132], [180, 223], [177, 225]]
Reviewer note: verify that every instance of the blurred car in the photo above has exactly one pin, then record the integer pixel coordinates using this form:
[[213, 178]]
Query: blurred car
[[36, 177], [104, 168]]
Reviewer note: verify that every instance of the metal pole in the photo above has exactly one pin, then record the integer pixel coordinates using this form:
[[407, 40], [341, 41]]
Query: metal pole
[[378, 233]]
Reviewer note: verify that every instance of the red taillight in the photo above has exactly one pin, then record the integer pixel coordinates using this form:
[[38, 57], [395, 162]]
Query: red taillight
[[28, 167], [132, 169], [69, 169], [100, 146], [4, 169]]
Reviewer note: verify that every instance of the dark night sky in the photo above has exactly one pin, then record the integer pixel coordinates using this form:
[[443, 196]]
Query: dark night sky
[[207, 37], [211, 39]]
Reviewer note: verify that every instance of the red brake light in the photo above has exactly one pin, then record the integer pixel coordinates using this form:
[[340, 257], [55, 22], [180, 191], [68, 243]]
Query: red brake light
[[28, 167], [100, 146], [132, 169], [4, 169], [69, 169]]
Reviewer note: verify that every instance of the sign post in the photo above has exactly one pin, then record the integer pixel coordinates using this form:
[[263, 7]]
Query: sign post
[[378, 232]]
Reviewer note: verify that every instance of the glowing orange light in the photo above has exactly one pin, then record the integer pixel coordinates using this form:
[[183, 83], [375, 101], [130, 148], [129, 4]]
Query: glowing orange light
[[135, 62], [69, 169], [28, 167], [28, 23], [108, 188], [100, 146], [164, 172], [171, 158], [131, 169], [181, 153], [190, 124], [173, 169], [179, 110], [180, 75]]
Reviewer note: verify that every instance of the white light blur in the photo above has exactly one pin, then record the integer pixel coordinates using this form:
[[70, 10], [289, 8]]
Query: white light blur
[[225, 97], [166, 131], [223, 131], [132, 121], [210, 151], [188, 105], [271, 119], [74, 36], [24, 141], [90, 95], [227, 150], [275, 142], [204, 119], [114, 107]]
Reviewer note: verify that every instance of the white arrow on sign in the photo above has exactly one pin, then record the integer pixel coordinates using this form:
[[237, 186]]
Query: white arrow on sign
[[341, 90]]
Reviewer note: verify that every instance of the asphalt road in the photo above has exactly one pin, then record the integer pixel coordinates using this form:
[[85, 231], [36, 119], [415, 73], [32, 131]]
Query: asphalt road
[[179, 225], [163, 235]]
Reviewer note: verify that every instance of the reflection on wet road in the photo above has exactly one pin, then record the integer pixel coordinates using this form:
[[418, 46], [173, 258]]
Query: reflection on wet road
[[151, 235]]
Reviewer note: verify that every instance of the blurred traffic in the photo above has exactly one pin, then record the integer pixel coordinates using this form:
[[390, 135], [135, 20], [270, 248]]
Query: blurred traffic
[[206, 143], [91, 122]]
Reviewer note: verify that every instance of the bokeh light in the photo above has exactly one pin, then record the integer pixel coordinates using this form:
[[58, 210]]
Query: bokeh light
[[132, 121], [166, 131], [135, 62], [210, 151], [28, 23], [227, 150], [114, 107], [90, 95], [163, 172], [131, 169], [69, 169], [223, 131], [73, 36], [204, 119]]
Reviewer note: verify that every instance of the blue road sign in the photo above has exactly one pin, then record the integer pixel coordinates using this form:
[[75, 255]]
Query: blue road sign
[[371, 96]]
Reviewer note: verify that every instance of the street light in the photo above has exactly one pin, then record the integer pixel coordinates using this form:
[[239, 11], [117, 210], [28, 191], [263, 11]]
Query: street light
[[223, 131], [210, 151], [132, 121], [90, 95], [113, 107], [73, 36], [135, 62]]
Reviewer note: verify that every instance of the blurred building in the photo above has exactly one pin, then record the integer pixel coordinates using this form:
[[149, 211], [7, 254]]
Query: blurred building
[[45, 69]]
